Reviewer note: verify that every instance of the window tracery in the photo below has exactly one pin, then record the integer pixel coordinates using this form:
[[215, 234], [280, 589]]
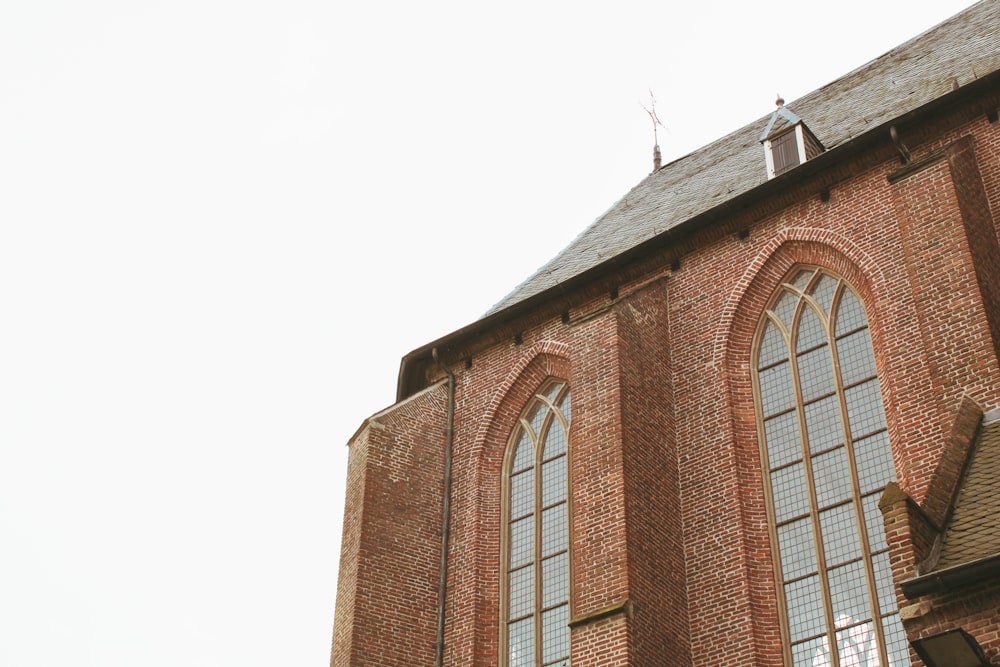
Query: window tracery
[[826, 454], [536, 560]]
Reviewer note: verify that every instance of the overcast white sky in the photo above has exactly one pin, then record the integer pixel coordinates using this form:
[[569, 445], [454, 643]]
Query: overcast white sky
[[223, 223]]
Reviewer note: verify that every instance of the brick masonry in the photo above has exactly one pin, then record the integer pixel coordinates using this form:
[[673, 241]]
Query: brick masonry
[[671, 560]]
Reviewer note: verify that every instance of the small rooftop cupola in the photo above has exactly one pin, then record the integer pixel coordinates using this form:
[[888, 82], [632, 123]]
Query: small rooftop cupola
[[787, 141]]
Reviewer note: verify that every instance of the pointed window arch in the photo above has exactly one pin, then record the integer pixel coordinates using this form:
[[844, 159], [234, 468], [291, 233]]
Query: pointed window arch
[[826, 456], [536, 558]]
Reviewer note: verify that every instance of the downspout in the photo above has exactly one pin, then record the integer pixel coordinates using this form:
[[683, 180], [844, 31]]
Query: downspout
[[445, 513]]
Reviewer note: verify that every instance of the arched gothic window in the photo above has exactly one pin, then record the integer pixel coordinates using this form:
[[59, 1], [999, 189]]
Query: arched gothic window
[[827, 459], [535, 609]]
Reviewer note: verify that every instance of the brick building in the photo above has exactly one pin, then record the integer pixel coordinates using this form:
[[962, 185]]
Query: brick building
[[750, 416]]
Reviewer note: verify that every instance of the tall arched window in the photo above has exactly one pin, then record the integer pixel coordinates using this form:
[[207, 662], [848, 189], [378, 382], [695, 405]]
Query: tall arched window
[[827, 457], [535, 613]]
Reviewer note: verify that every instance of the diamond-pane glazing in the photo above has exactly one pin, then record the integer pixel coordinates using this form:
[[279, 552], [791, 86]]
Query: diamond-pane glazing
[[782, 436], [566, 407], [776, 391]]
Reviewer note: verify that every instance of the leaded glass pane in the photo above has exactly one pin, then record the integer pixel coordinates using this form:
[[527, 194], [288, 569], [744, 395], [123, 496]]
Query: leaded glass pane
[[555, 441], [791, 496], [785, 308], [522, 493], [773, 347], [816, 373], [823, 426], [810, 653], [801, 279], [522, 541], [521, 644], [555, 579], [857, 360], [522, 591], [811, 330], [782, 436], [895, 641], [823, 291], [874, 523], [874, 461], [538, 416], [805, 608], [883, 582], [850, 314], [864, 408], [832, 477], [798, 552], [831, 402], [776, 391], [554, 532], [566, 407], [525, 454], [555, 635], [538, 471], [849, 593], [858, 646], [839, 529], [553, 481]]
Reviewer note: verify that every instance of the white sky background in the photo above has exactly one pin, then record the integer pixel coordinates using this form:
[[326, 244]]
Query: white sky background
[[223, 223]]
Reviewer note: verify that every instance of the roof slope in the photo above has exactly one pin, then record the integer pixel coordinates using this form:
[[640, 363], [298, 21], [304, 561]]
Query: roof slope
[[963, 48], [974, 530]]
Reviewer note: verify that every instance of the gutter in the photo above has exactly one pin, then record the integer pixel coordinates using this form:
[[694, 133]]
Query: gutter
[[409, 381], [979, 571]]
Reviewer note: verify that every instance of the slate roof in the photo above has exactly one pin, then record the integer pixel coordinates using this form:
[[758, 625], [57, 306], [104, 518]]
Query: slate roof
[[974, 530], [963, 48]]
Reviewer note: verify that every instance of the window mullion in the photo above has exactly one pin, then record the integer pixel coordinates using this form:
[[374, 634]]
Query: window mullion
[[822, 573], [859, 512]]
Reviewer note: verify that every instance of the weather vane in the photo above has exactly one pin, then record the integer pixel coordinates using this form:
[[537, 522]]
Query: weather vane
[[651, 110]]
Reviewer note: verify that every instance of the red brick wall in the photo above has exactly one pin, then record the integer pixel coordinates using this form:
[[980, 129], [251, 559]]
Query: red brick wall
[[671, 562]]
